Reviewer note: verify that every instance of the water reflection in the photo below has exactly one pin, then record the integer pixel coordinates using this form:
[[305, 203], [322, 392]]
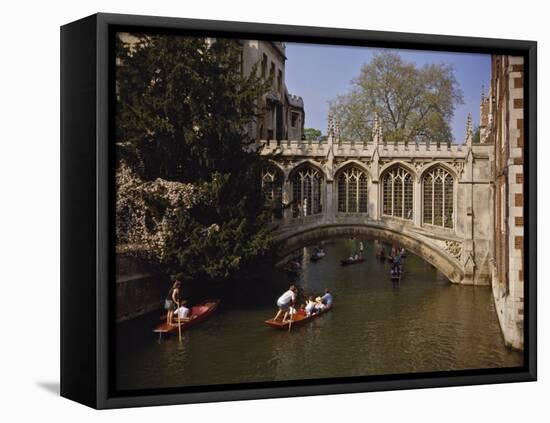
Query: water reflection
[[423, 324]]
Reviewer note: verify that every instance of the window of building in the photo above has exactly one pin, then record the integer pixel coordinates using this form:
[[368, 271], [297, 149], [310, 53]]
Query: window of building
[[279, 80], [272, 186], [264, 65], [306, 191], [241, 61], [397, 193], [294, 116], [352, 191], [438, 195], [272, 73]]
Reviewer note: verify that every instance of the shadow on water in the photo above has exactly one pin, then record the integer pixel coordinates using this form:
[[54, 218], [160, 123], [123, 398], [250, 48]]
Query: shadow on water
[[422, 324]]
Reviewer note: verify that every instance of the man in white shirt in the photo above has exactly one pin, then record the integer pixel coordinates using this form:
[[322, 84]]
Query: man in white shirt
[[182, 312], [285, 301]]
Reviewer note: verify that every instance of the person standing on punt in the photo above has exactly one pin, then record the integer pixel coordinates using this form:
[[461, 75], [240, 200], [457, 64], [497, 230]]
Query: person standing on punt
[[172, 301], [284, 302]]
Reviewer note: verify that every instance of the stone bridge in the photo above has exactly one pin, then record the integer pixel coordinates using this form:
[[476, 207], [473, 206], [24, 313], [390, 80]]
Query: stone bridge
[[435, 199]]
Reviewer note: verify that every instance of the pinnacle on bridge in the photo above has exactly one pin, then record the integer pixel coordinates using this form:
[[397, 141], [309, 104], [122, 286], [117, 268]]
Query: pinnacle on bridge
[[375, 128], [330, 128]]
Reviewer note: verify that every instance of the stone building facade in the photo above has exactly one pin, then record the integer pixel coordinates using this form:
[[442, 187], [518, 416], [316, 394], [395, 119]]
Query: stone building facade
[[282, 114], [503, 116]]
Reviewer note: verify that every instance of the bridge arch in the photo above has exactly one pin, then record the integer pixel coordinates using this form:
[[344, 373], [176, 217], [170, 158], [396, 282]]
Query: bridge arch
[[437, 257]]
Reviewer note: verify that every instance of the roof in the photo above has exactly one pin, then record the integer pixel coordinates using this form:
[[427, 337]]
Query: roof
[[294, 100]]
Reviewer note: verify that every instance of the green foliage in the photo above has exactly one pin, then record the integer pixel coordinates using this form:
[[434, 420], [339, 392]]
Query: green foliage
[[476, 135], [312, 134], [182, 110], [412, 102]]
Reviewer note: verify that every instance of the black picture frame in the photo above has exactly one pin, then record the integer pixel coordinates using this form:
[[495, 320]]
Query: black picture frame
[[87, 249]]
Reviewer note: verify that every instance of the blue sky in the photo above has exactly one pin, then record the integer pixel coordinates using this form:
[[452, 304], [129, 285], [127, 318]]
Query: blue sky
[[318, 73]]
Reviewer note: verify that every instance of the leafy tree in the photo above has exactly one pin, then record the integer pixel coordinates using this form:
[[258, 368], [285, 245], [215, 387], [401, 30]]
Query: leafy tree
[[476, 135], [312, 134], [182, 110], [412, 102]]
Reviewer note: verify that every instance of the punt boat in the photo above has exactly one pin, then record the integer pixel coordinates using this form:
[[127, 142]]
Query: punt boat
[[299, 319], [199, 313]]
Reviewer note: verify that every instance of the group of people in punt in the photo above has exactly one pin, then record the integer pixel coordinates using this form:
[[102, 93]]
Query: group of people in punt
[[174, 305], [286, 304]]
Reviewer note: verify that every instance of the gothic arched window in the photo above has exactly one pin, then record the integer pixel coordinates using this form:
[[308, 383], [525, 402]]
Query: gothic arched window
[[272, 186], [352, 190], [397, 193], [306, 191], [438, 198]]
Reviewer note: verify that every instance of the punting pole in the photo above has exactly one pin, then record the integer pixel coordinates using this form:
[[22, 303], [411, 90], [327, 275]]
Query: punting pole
[[179, 326]]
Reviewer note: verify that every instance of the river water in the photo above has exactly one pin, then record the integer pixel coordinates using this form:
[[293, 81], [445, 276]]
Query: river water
[[424, 324]]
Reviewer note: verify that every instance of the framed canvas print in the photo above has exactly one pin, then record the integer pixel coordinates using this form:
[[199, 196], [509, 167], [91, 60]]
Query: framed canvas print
[[256, 211]]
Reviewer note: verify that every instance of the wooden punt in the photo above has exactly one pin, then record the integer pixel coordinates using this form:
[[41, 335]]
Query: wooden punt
[[299, 319], [199, 313], [317, 256], [347, 262]]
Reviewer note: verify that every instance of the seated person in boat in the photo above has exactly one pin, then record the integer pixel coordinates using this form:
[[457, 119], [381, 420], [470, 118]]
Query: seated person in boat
[[327, 298], [310, 307], [284, 302], [182, 312], [319, 306]]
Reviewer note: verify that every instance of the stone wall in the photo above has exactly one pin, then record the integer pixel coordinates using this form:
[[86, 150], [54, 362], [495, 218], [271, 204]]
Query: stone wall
[[139, 289], [508, 270]]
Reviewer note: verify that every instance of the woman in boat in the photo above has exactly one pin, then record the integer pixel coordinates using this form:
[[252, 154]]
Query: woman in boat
[[310, 307], [172, 301], [284, 302], [319, 306]]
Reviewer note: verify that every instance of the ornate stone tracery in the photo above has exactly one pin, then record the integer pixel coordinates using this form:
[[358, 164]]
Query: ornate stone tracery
[[454, 248]]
